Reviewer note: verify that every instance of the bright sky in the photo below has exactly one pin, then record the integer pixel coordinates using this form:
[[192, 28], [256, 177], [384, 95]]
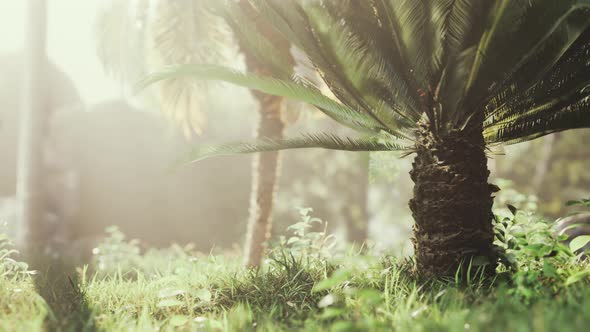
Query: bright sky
[[70, 43]]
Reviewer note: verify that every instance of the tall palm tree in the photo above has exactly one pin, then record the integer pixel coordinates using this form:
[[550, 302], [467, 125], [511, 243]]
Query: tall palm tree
[[265, 169], [192, 32], [33, 127], [447, 77]]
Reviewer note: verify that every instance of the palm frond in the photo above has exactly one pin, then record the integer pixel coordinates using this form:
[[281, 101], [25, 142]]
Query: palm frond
[[419, 37], [298, 90], [556, 101], [544, 29], [256, 37], [576, 115], [376, 33], [305, 141], [521, 64], [396, 60], [356, 74], [122, 38], [184, 32], [460, 25]]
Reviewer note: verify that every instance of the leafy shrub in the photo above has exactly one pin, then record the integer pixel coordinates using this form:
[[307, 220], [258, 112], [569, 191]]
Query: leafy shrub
[[116, 254], [509, 195], [577, 226], [306, 242], [9, 267], [535, 256]]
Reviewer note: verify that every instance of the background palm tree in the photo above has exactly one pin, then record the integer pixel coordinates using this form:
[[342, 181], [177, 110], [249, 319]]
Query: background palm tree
[[448, 78], [194, 32], [33, 128], [266, 168]]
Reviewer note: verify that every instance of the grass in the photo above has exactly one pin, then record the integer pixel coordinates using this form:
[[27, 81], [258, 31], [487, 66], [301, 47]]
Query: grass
[[303, 286]]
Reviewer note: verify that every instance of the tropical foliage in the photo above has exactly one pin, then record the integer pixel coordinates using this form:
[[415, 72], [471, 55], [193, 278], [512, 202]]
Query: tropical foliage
[[439, 78], [137, 37], [306, 285], [392, 64]]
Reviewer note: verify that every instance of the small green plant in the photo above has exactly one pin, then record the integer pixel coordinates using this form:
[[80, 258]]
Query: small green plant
[[116, 253], [576, 227], [306, 242], [9, 267], [535, 256]]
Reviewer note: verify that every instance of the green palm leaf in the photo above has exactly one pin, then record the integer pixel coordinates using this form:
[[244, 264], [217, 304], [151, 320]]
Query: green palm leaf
[[558, 101], [324, 141], [292, 89], [518, 65], [544, 29], [242, 23], [354, 72]]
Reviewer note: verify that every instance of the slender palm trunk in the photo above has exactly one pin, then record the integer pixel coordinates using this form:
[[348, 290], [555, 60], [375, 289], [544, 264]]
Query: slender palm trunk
[[33, 127], [266, 165], [357, 216], [452, 202], [265, 171]]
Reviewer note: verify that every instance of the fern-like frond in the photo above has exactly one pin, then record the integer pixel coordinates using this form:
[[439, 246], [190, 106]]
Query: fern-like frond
[[324, 141], [460, 25], [575, 115], [558, 100], [122, 39], [185, 32], [521, 65], [523, 41], [346, 58], [451, 60], [256, 37], [292, 89]]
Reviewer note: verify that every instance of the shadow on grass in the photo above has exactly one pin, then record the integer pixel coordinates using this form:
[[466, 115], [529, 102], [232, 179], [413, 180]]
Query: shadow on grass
[[59, 284]]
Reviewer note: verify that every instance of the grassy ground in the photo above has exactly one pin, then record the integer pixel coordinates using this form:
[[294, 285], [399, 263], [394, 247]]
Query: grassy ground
[[306, 285]]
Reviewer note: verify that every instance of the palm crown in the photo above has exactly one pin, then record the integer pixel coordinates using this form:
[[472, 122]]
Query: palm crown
[[521, 67]]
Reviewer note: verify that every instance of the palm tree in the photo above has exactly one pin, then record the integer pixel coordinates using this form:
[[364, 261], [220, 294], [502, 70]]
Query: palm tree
[[33, 126], [173, 32], [449, 78], [265, 169]]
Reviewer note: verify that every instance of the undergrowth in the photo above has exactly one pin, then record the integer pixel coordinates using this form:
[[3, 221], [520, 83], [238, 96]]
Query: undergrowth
[[308, 283]]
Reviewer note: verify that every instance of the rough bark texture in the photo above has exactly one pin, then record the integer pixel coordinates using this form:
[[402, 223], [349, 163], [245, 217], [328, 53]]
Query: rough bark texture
[[452, 202], [266, 165]]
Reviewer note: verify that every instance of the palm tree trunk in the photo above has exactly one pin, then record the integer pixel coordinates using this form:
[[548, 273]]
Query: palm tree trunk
[[357, 216], [266, 165], [33, 127], [265, 168], [452, 202]]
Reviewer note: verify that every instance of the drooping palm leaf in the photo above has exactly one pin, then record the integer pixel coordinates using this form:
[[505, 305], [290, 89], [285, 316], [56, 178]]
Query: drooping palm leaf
[[121, 38], [356, 75], [324, 141], [558, 101], [250, 32], [526, 39], [137, 36], [185, 32], [299, 90]]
